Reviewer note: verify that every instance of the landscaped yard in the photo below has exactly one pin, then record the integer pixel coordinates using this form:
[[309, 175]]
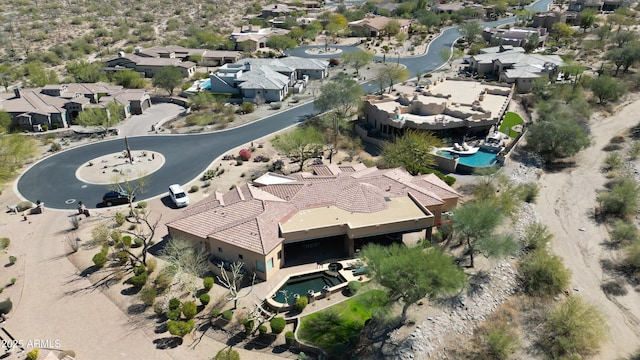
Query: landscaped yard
[[333, 328], [511, 119]]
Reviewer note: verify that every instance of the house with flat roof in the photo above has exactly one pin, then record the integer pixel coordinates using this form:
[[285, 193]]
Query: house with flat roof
[[267, 79], [253, 37], [513, 66], [376, 26], [148, 66], [205, 57], [599, 5], [444, 107], [336, 210], [515, 36], [58, 105]]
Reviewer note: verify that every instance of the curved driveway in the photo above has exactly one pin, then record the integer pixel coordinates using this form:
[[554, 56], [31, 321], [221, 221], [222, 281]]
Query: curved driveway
[[53, 180]]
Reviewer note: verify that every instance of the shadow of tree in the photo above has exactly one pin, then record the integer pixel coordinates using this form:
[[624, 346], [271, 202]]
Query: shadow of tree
[[260, 342], [132, 290], [90, 270], [236, 339], [161, 328], [136, 309], [168, 342]]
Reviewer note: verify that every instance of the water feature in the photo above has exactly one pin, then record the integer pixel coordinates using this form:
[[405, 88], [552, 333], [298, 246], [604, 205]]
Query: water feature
[[301, 284], [482, 158]]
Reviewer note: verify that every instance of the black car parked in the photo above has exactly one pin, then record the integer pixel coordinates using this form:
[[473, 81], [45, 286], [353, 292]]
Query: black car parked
[[116, 198]]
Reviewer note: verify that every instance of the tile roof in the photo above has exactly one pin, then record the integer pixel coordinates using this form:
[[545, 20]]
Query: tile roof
[[249, 216]]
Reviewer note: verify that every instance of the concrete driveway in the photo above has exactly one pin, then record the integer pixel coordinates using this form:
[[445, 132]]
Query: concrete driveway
[[141, 124]]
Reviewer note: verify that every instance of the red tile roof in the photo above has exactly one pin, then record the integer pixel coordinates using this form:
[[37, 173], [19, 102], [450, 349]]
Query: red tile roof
[[249, 216]]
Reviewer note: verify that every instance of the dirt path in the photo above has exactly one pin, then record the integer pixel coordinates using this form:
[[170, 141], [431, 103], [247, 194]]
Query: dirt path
[[566, 204]]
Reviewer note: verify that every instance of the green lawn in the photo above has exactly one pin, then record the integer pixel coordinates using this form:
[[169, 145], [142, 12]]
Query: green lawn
[[511, 119], [332, 328]]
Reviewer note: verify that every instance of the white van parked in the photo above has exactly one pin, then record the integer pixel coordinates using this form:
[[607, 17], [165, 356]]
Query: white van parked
[[178, 196]]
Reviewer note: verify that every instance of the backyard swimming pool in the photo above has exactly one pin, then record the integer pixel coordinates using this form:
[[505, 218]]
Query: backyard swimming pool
[[301, 284], [206, 84], [482, 158]]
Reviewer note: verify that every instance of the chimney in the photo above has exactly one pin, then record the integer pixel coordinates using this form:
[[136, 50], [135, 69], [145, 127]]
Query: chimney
[[17, 92]]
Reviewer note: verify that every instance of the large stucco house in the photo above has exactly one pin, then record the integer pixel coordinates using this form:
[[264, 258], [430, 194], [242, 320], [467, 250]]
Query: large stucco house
[[513, 66], [376, 26], [267, 79], [335, 210], [445, 107], [149, 66], [57, 106]]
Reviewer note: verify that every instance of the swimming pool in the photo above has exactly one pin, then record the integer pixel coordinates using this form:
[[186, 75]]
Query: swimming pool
[[206, 84], [301, 284], [482, 158]]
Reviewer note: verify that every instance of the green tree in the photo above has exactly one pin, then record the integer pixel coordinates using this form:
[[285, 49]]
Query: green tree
[[102, 118], [227, 354], [475, 224], [129, 79], [37, 75], [390, 74], [392, 28], [544, 274], [606, 88], [587, 18], [357, 59], [180, 328], [342, 96], [187, 263], [5, 122], [301, 143], [167, 78], [86, 72], [412, 151], [470, 30], [281, 42], [623, 38], [412, 273], [573, 329], [557, 139]]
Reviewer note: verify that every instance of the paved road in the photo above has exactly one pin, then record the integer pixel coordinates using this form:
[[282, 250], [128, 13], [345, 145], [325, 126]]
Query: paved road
[[53, 180]]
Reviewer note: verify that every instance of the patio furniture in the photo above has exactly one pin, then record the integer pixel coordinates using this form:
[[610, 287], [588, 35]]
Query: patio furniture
[[361, 271]]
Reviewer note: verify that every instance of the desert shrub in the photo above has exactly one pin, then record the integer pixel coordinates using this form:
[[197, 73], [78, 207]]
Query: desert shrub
[[449, 180], [573, 329], [262, 329], [289, 335], [615, 288], [194, 188], [207, 283], [163, 280], [276, 105], [174, 314], [137, 242], [354, 286], [499, 341], [139, 280], [189, 309], [55, 147], [180, 328], [624, 232], [99, 259], [120, 219], [247, 107], [205, 299], [227, 315], [174, 304], [301, 303], [123, 257], [33, 354], [208, 175], [622, 200], [215, 313], [334, 62], [139, 270], [530, 192], [634, 150], [227, 354], [631, 259], [4, 243], [277, 325], [248, 325], [141, 205], [126, 240], [24, 205], [12, 281], [12, 259], [239, 162], [152, 264], [544, 274], [536, 237], [148, 296]]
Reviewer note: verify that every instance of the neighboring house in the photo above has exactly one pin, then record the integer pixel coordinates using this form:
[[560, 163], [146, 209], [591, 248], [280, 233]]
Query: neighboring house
[[447, 107], [205, 57], [599, 5], [57, 106], [511, 65], [267, 79], [253, 38], [376, 26], [272, 222], [276, 10], [549, 18], [149, 66], [514, 36], [454, 7], [389, 8]]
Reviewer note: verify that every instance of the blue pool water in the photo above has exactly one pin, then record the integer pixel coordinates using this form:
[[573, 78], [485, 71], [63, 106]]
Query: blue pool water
[[206, 84], [482, 158], [301, 284]]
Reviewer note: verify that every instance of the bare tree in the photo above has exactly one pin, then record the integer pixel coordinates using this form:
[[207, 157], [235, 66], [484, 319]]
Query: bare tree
[[234, 282], [188, 263], [145, 232]]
